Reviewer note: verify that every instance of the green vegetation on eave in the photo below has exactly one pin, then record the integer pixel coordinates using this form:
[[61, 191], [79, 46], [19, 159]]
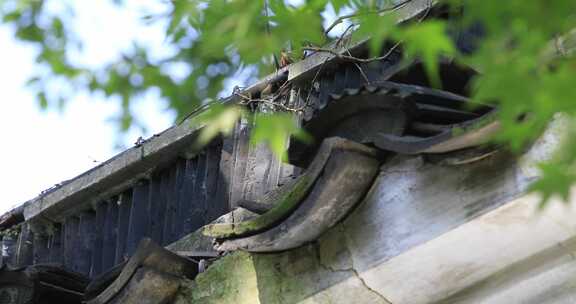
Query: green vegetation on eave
[[288, 201]]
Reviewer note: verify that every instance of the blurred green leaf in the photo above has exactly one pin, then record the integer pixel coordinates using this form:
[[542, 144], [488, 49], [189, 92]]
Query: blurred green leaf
[[429, 41], [555, 180], [12, 16], [58, 27], [218, 119], [377, 27], [339, 4], [275, 130], [42, 101]]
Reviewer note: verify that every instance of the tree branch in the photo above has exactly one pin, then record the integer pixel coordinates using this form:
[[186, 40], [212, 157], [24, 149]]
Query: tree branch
[[352, 58]]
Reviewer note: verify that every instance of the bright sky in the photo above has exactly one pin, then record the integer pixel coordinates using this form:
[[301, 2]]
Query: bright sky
[[39, 149]]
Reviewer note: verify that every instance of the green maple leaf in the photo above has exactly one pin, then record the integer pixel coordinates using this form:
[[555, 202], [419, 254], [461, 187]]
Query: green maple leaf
[[275, 130], [339, 4], [555, 180], [217, 119], [428, 41], [377, 27]]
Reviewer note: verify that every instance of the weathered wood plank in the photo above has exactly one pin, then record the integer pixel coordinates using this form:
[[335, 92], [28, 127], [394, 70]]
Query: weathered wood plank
[[257, 168], [57, 244], [8, 250], [240, 153], [187, 191], [225, 174], [99, 231], [157, 207], [125, 204], [24, 247], [179, 189], [215, 205], [139, 226], [86, 236], [199, 196], [325, 90], [71, 243], [41, 250], [171, 205], [110, 234]]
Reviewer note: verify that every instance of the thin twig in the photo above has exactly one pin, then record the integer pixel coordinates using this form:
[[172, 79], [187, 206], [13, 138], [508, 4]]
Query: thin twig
[[352, 58], [380, 11], [348, 57], [283, 87], [313, 80], [343, 34], [322, 66], [357, 60], [350, 54], [362, 73], [359, 68]]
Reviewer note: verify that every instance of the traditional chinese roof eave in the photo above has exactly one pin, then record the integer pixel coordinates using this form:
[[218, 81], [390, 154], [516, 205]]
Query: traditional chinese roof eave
[[135, 163]]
